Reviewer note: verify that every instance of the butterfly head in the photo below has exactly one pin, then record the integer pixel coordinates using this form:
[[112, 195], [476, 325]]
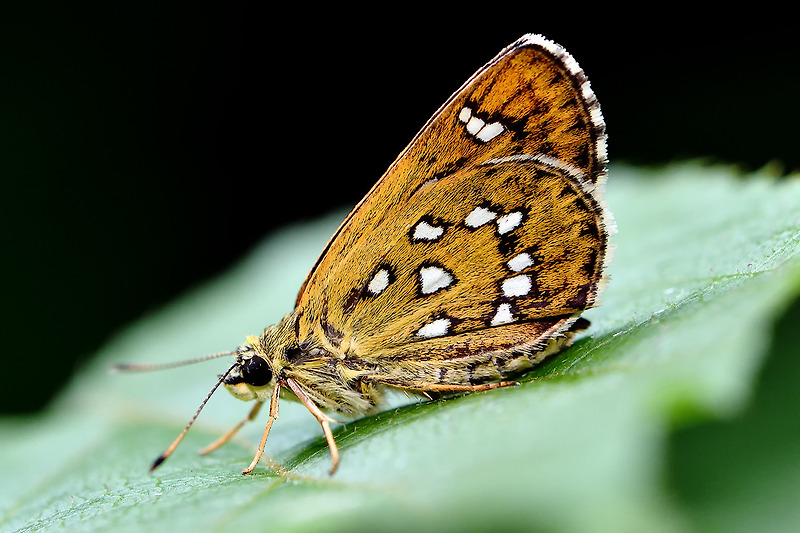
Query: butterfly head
[[259, 362], [252, 376]]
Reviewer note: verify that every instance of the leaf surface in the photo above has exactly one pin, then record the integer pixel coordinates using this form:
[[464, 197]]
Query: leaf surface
[[622, 432]]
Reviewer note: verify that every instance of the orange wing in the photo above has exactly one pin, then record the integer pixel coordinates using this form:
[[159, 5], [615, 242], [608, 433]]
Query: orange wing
[[491, 217]]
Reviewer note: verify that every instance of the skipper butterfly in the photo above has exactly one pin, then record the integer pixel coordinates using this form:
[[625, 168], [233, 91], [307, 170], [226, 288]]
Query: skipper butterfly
[[467, 263]]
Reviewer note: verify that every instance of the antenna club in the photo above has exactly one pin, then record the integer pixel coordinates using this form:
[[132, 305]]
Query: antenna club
[[157, 462]]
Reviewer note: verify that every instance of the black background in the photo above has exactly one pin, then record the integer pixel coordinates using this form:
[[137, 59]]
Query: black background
[[145, 148]]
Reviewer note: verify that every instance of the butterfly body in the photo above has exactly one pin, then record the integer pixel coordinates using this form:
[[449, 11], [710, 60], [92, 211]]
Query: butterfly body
[[467, 263]]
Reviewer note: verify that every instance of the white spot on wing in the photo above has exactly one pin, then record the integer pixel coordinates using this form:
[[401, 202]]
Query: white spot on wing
[[426, 232], [437, 328], [520, 262], [465, 114], [517, 286], [379, 282], [478, 217], [503, 315], [490, 131], [433, 278], [474, 125], [508, 222]]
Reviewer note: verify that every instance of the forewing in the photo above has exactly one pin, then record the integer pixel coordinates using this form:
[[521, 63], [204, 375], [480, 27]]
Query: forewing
[[491, 216]]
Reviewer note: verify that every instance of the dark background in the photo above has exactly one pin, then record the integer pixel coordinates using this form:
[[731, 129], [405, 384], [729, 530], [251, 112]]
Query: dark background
[[146, 148]]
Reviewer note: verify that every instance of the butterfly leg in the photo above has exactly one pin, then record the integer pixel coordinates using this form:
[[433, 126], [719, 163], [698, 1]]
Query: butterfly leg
[[423, 387], [227, 436], [273, 415], [445, 387], [322, 418]]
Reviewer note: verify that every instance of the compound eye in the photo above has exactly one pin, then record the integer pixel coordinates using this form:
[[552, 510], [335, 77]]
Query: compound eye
[[256, 371]]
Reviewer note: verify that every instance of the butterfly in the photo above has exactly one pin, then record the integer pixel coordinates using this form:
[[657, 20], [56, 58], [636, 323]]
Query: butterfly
[[466, 264]]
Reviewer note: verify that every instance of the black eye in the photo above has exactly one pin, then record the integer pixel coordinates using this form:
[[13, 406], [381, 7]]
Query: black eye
[[256, 372]]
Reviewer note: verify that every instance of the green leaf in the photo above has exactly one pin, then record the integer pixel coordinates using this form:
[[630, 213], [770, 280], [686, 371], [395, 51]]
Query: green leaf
[[638, 427]]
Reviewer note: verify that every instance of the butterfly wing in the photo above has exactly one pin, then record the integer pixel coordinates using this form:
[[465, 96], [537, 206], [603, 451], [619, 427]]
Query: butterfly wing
[[491, 220]]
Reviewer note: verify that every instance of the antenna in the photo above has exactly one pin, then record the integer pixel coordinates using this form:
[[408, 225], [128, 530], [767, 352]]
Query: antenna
[[171, 448], [146, 367]]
